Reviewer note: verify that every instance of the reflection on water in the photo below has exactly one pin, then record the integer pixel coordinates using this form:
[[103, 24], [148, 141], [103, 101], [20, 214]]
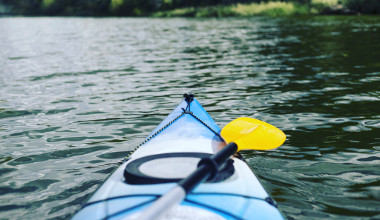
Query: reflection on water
[[76, 94]]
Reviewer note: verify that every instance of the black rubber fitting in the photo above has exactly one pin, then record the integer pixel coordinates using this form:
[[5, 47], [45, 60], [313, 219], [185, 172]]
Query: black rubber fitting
[[211, 164], [188, 97]]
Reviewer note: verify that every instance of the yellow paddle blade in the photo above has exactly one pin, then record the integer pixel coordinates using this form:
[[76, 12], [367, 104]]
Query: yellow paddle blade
[[253, 134]]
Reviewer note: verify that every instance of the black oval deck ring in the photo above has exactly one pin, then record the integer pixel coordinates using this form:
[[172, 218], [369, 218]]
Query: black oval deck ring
[[169, 167]]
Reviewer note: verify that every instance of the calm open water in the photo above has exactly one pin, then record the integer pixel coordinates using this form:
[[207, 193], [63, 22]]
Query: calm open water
[[76, 94]]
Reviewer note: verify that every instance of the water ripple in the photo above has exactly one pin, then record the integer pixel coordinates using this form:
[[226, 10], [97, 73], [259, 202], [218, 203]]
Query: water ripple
[[78, 94]]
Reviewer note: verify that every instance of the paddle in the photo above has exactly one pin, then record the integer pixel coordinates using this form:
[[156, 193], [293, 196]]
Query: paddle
[[241, 134]]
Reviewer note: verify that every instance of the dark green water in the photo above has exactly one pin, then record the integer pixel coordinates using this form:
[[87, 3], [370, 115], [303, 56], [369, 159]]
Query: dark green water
[[76, 94]]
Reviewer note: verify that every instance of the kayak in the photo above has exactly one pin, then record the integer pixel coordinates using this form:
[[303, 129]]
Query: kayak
[[170, 153]]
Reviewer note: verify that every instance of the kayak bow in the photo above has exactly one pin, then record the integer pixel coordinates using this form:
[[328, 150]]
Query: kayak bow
[[169, 154]]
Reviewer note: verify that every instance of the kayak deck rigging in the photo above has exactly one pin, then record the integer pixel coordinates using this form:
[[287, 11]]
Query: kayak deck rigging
[[188, 98]]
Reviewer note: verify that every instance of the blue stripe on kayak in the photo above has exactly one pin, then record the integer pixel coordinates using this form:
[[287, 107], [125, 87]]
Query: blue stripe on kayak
[[137, 207], [158, 195], [213, 203], [134, 209], [252, 209], [237, 206], [215, 210], [192, 197]]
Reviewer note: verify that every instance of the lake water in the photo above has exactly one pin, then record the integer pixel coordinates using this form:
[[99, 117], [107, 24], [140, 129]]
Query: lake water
[[76, 94]]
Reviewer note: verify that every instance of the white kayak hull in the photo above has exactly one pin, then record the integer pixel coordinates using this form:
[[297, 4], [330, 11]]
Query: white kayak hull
[[188, 129]]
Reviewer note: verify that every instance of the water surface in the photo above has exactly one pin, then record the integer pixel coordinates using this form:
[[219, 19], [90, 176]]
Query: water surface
[[77, 94]]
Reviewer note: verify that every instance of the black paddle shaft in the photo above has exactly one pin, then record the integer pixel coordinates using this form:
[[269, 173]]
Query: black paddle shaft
[[208, 167]]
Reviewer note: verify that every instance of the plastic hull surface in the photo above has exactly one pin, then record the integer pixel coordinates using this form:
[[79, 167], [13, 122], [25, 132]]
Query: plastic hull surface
[[241, 196]]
